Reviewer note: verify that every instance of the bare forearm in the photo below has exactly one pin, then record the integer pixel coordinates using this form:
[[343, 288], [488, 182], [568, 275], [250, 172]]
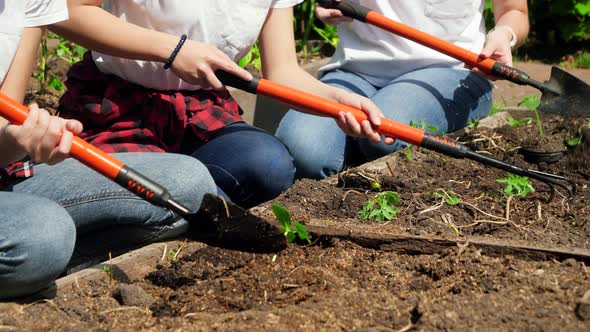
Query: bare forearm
[[98, 30], [279, 61], [513, 13], [15, 85]]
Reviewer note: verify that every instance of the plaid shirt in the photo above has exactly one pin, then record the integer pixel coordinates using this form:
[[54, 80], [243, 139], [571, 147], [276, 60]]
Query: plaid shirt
[[119, 116], [21, 169]]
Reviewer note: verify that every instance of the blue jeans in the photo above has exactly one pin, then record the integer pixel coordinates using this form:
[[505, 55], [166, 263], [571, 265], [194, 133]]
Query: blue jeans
[[43, 216], [447, 98], [248, 164]]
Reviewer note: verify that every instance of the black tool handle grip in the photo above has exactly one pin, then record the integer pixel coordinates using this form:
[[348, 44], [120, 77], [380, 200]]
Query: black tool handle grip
[[236, 82], [349, 9]]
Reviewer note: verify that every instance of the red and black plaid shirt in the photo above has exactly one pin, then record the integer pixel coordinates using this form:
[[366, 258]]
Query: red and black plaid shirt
[[120, 116]]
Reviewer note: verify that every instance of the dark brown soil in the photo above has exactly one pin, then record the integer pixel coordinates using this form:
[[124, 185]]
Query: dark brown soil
[[330, 286], [336, 285]]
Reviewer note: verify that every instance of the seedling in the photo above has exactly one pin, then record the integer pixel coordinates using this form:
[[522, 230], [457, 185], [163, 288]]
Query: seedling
[[108, 269], [473, 124], [375, 185], [381, 208], [572, 140], [291, 229], [517, 185], [434, 130], [172, 256], [449, 196], [497, 107], [517, 123], [408, 152], [531, 102]]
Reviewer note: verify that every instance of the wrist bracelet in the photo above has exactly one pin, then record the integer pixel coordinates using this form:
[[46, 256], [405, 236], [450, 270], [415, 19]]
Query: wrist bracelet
[[175, 52], [510, 30]]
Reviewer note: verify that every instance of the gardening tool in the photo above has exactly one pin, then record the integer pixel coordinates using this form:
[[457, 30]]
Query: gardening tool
[[389, 128], [222, 222], [562, 94]]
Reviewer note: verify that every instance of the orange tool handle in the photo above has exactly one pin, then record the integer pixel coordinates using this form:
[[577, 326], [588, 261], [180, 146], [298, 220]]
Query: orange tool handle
[[87, 154], [329, 108], [101, 162], [488, 65]]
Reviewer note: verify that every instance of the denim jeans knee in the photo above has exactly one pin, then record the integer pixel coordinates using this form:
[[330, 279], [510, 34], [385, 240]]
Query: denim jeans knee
[[37, 238]]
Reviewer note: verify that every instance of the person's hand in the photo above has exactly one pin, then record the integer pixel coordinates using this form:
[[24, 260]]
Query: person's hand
[[348, 123], [331, 16], [43, 137], [497, 46], [197, 62]]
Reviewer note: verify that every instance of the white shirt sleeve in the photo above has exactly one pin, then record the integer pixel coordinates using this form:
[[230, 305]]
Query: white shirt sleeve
[[284, 3], [45, 12]]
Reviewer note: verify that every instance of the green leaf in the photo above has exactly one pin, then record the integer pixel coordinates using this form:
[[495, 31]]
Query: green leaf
[[531, 102], [290, 236], [583, 9], [302, 232], [282, 215], [56, 84]]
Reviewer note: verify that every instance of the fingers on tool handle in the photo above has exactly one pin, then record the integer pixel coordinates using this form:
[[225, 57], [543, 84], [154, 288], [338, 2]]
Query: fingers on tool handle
[[236, 82], [352, 10]]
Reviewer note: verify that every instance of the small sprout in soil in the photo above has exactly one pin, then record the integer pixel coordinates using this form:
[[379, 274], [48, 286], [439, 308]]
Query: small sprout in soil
[[109, 272], [473, 124], [381, 208], [531, 102], [517, 185], [497, 107], [291, 229], [572, 140], [449, 196], [434, 130], [517, 123], [375, 185], [172, 256], [108, 269], [408, 152]]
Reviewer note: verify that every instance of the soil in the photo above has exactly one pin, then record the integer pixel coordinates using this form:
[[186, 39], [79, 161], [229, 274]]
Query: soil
[[335, 284]]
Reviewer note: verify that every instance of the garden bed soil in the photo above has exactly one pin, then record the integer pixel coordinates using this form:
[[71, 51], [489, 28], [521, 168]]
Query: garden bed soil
[[338, 285], [334, 284], [331, 285], [483, 211]]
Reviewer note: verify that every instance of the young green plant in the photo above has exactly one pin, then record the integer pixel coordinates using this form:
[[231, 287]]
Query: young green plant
[[512, 122], [291, 229], [383, 207], [516, 185], [532, 102], [449, 197]]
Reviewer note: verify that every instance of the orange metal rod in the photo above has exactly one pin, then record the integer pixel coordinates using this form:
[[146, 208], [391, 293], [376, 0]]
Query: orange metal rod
[[326, 107], [430, 41]]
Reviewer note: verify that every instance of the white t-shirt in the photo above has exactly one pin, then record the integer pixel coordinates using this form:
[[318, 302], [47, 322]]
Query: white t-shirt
[[15, 15], [380, 56], [230, 25]]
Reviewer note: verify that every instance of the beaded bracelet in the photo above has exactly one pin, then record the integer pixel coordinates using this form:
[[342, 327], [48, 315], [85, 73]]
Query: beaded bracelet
[[175, 52]]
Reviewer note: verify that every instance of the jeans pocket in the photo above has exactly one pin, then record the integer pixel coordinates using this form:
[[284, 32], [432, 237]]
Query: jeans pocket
[[452, 15]]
